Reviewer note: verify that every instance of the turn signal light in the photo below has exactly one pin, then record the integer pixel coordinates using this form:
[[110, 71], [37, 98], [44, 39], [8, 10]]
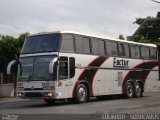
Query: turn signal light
[[52, 88]]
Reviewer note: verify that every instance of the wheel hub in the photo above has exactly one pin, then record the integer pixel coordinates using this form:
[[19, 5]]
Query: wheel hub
[[82, 93]]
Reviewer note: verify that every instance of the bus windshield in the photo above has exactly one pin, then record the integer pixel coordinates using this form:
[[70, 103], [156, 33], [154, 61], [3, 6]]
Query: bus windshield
[[41, 43], [35, 69]]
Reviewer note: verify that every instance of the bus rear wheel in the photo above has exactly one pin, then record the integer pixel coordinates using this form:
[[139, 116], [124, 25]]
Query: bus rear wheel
[[81, 94], [129, 90], [138, 90]]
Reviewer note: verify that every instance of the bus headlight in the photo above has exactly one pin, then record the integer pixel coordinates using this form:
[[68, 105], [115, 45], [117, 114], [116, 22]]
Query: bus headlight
[[20, 94], [49, 94]]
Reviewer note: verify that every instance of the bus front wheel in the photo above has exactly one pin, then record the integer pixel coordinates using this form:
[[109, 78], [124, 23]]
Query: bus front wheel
[[81, 93]]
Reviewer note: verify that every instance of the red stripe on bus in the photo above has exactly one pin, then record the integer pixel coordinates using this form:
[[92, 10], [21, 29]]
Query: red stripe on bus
[[81, 75], [133, 69]]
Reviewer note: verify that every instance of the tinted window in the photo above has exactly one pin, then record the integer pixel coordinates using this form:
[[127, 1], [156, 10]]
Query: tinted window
[[82, 45], [101, 47], [67, 43], [63, 70], [35, 68], [108, 48], [26, 69], [86, 45], [121, 49], [145, 52], [79, 44], [41, 43], [114, 49], [95, 46], [153, 53], [127, 51], [111, 48], [41, 71], [135, 51]]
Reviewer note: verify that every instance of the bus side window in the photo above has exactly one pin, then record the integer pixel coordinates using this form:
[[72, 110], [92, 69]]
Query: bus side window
[[121, 49], [127, 51], [135, 53], [67, 43], [111, 48], [66, 67], [153, 53], [114, 49], [72, 67], [95, 49], [145, 52], [101, 47], [86, 45], [82, 45], [108, 47], [63, 68], [79, 44]]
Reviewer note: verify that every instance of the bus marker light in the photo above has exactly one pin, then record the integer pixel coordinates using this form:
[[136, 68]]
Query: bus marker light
[[52, 88]]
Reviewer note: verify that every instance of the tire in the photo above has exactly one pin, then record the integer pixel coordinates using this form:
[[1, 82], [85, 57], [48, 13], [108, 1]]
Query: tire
[[49, 101], [81, 94], [138, 90], [129, 90]]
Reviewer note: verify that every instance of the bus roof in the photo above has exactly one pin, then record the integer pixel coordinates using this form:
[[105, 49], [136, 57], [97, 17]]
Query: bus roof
[[100, 37]]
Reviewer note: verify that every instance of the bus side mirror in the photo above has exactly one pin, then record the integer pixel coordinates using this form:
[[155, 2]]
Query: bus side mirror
[[9, 67], [51, 65], [72, 67]]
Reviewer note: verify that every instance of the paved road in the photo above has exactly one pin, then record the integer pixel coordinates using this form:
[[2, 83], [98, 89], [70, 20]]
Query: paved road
[[150, 103]]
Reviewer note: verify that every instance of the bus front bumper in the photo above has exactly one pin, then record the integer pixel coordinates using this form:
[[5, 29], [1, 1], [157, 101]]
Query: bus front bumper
[[37, 94]]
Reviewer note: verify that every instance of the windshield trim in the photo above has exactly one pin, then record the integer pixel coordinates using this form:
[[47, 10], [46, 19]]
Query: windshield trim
[[39, 54]]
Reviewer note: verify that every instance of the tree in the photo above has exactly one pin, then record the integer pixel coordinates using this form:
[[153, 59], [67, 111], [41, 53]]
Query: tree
[[121, 37], [149, 31], [10, 49]]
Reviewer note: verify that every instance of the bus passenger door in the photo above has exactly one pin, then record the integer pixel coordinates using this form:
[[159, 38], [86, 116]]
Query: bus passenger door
[[62, 69], [66, 72]]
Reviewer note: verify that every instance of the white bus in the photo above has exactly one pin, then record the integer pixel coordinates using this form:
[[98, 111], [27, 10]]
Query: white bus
[[70, 65]]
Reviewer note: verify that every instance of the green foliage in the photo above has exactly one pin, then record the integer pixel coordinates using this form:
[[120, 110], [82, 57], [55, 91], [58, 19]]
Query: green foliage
[[150, 31], [10, 49], [121, 37]]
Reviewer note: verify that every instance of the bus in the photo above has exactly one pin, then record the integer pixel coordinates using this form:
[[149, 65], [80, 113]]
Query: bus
[[68, 65]]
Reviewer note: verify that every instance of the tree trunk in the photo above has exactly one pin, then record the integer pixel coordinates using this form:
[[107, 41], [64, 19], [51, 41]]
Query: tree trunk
[[15, 85], [1, 77]]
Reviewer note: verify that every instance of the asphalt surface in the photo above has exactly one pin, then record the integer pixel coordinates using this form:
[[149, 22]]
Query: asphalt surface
[[32, 109]]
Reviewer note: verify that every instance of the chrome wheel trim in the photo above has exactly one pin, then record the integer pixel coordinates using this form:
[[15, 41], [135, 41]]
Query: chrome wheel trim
[[130, 91], [81, 94]]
